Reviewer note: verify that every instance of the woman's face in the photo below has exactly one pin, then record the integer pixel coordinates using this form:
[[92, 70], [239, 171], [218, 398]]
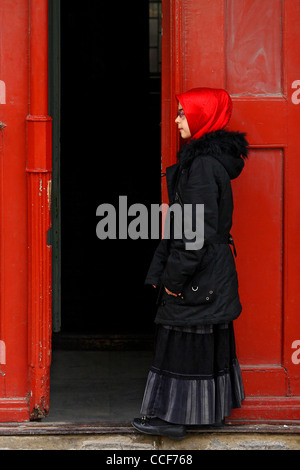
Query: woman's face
[[182, 123]]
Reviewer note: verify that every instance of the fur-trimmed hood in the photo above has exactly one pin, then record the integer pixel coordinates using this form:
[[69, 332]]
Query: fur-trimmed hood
[[228, 147]]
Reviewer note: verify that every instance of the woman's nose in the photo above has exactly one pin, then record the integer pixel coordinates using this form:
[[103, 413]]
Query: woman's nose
[[177, 119]]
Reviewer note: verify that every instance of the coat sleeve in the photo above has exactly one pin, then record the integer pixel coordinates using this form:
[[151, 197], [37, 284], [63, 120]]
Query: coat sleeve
[[158, 263], [201, 188]]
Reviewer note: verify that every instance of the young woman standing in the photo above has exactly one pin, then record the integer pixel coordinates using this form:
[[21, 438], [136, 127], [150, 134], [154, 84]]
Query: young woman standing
[[195, 377]]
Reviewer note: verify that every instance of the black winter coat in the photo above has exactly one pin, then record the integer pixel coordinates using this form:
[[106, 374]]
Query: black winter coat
[[206, 278]]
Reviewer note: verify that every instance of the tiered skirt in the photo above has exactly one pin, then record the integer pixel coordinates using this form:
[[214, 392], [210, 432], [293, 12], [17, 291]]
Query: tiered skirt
[[195, 377]]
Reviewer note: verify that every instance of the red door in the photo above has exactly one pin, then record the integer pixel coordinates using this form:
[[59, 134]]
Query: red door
[[249, 47], [25, 181]]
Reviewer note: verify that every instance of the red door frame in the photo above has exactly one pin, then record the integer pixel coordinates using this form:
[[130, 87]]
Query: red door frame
[[39, 172], [266, 406]]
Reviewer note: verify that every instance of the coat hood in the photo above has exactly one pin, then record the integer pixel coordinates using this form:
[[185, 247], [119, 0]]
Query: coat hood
[[228, 147]]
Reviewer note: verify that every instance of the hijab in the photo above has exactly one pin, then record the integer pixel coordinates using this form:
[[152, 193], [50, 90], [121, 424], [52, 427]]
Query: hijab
[[206, 110]]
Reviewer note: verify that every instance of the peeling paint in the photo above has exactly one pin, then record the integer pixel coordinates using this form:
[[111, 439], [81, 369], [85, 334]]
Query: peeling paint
[[49, 186], [41, 187]]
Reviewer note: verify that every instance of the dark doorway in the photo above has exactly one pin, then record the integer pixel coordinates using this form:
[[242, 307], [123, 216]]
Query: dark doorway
[[104, 96], [109, 147]]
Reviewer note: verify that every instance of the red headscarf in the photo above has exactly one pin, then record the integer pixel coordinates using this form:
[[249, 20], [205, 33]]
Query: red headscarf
[[206, 110]]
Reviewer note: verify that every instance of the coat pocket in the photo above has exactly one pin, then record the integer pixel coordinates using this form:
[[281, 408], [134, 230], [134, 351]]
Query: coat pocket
[[196, 293], [202, 288]]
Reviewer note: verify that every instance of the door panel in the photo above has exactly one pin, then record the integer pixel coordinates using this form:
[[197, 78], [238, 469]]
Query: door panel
[[253, 47], [257, 231], [249, 48]]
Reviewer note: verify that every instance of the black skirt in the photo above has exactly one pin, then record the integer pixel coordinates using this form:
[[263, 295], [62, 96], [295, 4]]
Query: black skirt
[[195, 377]]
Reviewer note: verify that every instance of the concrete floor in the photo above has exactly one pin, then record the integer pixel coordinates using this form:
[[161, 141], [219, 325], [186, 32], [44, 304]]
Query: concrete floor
[[97, 386]]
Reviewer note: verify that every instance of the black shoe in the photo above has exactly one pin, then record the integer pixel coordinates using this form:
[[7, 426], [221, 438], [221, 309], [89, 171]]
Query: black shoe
[[158, 427], [220, 424]]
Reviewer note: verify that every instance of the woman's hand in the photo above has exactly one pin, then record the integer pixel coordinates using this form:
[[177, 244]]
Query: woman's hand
[[171, 293], [168, 291]]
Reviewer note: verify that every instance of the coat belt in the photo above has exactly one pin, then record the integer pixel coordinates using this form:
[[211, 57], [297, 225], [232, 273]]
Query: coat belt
[[222, 239]]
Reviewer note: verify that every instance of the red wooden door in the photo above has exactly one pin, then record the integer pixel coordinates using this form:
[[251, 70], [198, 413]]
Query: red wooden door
[[249, 47], [13, 209]]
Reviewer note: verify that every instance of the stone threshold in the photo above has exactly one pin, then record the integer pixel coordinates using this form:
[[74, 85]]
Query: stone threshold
[[74, 428]]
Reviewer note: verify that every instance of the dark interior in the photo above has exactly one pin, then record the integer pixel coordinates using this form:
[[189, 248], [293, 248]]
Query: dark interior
[[110, 147]]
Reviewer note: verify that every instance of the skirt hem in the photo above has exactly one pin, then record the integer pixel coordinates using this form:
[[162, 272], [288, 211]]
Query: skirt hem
[[193, 400]]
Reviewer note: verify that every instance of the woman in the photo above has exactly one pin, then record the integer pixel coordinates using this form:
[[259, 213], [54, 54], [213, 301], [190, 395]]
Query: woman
[[195, 377]]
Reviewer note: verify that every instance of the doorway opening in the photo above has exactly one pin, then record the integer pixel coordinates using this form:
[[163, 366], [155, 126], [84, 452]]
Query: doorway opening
[[104, 96]]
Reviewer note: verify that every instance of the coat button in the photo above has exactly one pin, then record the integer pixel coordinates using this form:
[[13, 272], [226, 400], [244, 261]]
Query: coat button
[[211, 291], [207, 298]]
